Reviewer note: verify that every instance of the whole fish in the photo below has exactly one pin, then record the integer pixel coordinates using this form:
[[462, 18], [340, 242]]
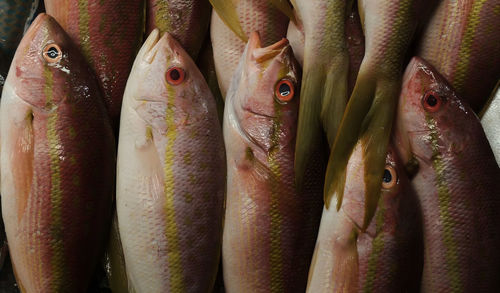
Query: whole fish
[[232, 23], [388, 26], [13, 17], [186, 21], [490, 120], [57, 163], [269, 228], [171, 173], [109, 33], [457, 183], [462, 43], [387, 256]]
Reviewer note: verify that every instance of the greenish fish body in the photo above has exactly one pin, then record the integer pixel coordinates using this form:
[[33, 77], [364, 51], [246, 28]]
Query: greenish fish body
[[57, 163], [388, 27]]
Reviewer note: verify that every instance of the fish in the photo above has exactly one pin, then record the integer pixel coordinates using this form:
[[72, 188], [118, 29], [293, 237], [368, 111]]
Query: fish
[[461, 42], [490, 120], [325, 75], [387, 256], [456, 179], [171, 173], [109, 34], [57, 163], [231, 24], [388, 27], [186, 21], [270, 228], [13, 17]]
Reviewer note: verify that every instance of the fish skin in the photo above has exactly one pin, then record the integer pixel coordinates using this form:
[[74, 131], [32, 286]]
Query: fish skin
[[186, 21], [462, 43], [13, 18], [387, 256], [114, 261], [109, 33], [171, 174], [254, 15], [389, 26], [57, 163], [259, 134], [491, 124], [457, 184]]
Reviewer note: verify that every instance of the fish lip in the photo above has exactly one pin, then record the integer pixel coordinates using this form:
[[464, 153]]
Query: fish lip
[[247, 109], [262, 54]]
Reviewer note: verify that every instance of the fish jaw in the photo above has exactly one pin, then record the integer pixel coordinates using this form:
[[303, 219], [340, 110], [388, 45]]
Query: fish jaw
[[171, 173], [57, 192]]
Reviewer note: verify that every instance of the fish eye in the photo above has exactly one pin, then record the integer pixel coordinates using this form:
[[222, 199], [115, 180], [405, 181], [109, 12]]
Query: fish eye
[[390, 177], [432, 101], [175, 75], [284, 90], [52, 53]]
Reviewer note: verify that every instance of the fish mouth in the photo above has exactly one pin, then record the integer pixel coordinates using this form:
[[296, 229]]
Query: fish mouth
[[248, 109], [262, 54]]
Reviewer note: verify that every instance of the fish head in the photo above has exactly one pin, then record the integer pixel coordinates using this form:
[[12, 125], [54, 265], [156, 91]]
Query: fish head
[[164, 74], [431, 118], [394, 186], [45, 64], [265, 94]]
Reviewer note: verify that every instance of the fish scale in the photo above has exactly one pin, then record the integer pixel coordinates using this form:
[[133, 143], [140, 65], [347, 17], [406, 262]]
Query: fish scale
[[269, 227], [456, 183], [57, 164], [186, 21], [460, 40], [253, 15], [13, 17], [171, 174], [109, 34]]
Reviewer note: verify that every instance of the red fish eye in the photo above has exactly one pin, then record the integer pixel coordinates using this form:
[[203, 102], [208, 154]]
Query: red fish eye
[[284, 90], [175, 75], [390, 177], [52, 53], [432, 101]]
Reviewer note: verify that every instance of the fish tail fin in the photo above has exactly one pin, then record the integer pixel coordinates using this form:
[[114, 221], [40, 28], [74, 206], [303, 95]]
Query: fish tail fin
[[347, 136], [227, 12], [334, 97], [309, 132]]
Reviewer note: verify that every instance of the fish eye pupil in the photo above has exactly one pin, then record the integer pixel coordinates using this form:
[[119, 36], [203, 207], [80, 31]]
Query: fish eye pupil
[[52, 52], [175, 74], [284, 89], [432, 100], [387, 176]]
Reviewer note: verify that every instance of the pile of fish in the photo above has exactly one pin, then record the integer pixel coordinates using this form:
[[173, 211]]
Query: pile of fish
[[249, 146]]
